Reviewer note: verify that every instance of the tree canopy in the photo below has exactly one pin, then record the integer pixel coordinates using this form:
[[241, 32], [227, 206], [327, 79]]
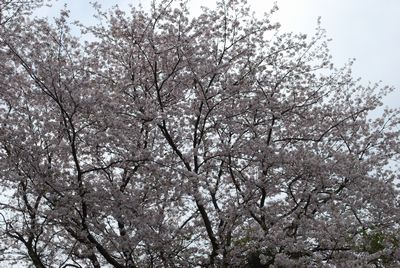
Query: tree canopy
[[164, 139]]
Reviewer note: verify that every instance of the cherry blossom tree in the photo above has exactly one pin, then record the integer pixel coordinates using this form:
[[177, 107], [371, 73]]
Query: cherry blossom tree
[[172, 140]]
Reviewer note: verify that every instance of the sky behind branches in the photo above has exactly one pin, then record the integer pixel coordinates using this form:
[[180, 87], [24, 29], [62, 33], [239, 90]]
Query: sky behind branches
[[367, 30]]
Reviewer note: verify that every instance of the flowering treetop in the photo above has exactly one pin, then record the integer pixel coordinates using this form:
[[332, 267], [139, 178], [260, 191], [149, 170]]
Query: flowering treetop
[[168, 140]]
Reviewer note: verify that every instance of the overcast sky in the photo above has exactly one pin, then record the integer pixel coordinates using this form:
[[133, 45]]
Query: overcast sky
[[368, 30]]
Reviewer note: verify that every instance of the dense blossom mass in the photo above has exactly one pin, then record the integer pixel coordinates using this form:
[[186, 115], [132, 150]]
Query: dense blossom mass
[[173, 140]]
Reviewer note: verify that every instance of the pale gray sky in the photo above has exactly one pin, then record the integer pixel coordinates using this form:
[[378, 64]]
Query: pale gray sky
[[368, 30]]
